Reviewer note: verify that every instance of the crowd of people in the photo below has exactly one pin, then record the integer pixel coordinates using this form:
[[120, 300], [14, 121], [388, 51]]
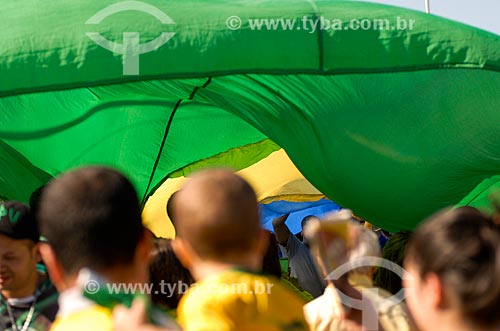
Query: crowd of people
[[79, 257]]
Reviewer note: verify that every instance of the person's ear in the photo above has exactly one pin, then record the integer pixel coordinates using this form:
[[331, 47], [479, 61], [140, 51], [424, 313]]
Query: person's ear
[[143, 255], [183, 252], [35, 252], [433, 288], [53, 265], [145, 247]]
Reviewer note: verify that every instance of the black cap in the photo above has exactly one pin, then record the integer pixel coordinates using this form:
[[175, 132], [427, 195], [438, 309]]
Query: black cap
[[17, 222]]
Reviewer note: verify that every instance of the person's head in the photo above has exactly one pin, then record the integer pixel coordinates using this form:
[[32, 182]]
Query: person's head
[[303, 223], [394, 251], [18, 250], [365, 245], [217, 220], [165, 268], [169, 208], [454, 262], [91, 218], [305, 220]]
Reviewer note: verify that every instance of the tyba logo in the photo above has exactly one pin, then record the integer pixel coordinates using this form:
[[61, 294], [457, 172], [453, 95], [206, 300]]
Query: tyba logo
[[131, 47], [383, 303]]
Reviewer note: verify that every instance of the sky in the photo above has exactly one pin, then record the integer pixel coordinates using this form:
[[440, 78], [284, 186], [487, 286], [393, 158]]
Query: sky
[[484, 14]]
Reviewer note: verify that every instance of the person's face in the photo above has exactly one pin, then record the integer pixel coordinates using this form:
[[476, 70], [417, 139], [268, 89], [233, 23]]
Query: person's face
[[18, 260], [304, 239], [420, 297]]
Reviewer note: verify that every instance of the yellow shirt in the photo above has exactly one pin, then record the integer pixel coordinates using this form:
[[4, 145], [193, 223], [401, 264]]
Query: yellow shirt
[[236, 300], [95, 318]]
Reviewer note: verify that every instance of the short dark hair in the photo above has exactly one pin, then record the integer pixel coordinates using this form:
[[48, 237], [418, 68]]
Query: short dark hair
[[165, 268], [462, 247], [217, 213], [306, 219], [91, 217]]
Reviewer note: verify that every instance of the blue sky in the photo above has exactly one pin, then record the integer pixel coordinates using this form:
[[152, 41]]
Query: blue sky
[[484, 14]]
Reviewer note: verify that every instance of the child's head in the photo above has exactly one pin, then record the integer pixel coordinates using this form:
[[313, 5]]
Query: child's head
[[217, 220], [454, 263], [91, 218]]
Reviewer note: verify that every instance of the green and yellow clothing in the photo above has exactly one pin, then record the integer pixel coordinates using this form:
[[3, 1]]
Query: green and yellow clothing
[[81, 310], [293, 285], [95, 318], [78, 313], [237, 300]]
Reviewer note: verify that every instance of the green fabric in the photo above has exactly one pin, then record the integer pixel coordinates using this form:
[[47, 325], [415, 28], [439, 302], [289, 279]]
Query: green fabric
[[484, 196], [394, 124], [239, 158]]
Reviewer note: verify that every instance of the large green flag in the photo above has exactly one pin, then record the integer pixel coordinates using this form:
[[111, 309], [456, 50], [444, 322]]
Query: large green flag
[[390, 112]]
